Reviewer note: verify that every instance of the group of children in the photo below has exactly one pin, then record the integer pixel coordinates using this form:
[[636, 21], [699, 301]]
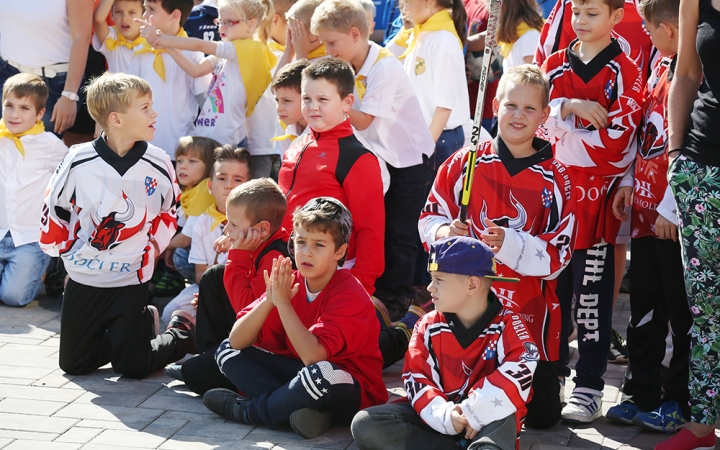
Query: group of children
[[300, 290]]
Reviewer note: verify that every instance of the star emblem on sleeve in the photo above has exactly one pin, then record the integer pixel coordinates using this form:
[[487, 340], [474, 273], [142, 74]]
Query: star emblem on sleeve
[[497, 402], [540, 254]]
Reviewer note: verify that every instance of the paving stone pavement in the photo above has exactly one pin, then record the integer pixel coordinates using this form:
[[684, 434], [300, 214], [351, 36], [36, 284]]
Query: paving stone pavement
[[43, 408]]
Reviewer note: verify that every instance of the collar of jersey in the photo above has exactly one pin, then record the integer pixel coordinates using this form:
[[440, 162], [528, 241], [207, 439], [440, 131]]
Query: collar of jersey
[[121, 164], [340, 131], [516, 165], [586, 72], [467, 336]]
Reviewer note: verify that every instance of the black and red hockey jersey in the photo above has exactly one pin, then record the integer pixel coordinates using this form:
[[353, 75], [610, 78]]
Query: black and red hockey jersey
[[487, 369], [634, 40], [595, 157], [105, 214], [533, 199], [651, 163]]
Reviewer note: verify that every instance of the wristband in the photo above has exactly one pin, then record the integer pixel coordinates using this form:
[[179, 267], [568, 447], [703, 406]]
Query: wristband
[[70, 95], [678, 150]]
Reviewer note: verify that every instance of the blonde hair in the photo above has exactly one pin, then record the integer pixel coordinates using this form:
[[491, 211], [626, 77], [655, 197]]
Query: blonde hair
[[524, 75], [113, 92], [660, 11], [368, 6], [27, 85], [340, 16], [260, 10], [282, 7], [303, 11]]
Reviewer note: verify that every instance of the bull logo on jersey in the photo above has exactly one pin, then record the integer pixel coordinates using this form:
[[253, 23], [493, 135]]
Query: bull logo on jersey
[[517, 223], [655, 134], [531, 352], [108, 229]]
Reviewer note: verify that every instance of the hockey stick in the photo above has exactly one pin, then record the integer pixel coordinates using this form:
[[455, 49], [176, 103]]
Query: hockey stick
[[490, 38]]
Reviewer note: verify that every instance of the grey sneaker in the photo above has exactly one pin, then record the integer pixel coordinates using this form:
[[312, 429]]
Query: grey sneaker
[[156, 319], [310, 423]]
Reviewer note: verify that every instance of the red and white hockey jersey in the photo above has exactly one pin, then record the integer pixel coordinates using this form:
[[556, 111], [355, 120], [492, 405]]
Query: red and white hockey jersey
[[487, 369], [595, 157], [533, 199], [557, 34], [651, 163], [103, 213]]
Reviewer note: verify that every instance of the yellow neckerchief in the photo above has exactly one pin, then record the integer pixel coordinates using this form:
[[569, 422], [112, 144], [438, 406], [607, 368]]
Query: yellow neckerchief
[[506, 47], [283, 137], [441, 20], [255, 60], [158, 64], [4, 132], [360, 83], [275, 46], [317, 53], [402, 37], [216, 215], [195, 200], [111, 44]]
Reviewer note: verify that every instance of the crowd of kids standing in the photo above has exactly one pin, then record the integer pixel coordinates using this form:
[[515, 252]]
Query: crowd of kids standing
[[311, 202]]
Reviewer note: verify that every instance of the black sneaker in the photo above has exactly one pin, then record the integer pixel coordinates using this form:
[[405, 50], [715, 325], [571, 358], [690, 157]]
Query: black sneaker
[[174, 371], [310, 423], [618, 349], [228, 404], [182, 326]]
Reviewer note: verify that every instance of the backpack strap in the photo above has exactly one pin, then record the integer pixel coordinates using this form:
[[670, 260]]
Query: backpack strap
[[278, 244]]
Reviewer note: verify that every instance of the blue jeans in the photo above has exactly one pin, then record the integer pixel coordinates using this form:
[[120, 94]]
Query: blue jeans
[[184, 268], [55, 85], [448, 143], [20, 271]]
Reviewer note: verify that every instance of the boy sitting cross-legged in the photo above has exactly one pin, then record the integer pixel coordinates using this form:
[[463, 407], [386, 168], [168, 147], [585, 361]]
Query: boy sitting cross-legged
[[110, 210], [469, 367], [307, 351]]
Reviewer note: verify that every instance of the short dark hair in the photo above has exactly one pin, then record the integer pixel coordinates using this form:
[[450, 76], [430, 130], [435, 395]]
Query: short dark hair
[[28, 85], [290, 76], [229, 152], [262, 199], [660, 11], [334, 70], [613, 4], [184, 6], [200, 147]]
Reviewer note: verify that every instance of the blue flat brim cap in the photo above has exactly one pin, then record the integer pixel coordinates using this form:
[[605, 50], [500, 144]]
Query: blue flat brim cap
[[464, 255]]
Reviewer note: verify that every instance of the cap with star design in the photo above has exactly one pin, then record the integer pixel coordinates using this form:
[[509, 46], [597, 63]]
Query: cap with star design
[[464, 255]]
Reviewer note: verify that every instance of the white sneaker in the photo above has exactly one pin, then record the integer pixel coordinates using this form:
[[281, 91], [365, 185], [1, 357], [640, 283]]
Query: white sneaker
[[584, 406], [561, 381], [156, 319]]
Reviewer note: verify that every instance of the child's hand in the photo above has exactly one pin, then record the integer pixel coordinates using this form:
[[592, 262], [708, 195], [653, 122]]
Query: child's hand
[[289, 48], [279, 284], [588, 110], [194, 301], [494, 236], [149, 32], [169, 259], [223, 244], [623, 199], [248, 240], [456, 228], [665, 229], [459, 421], [300, 38]]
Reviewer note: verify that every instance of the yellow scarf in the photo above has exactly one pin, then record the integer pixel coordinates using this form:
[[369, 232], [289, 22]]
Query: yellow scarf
[[195, 200], [158, 64], [506, 47], [441, 20], [360, 83], [111, 44], [255, 60], [275, 46], [4, 132], [402, 37], [317, 53], [217, 216], [284, 137]]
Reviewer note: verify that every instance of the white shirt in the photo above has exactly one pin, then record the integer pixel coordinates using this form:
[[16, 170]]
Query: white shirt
[[35, 33], [23, 182], [398, 134], [436, 67], [294, 129], [524, 46], [173, 100], [201, 249], [222, 116], [118, 60], [262, 124]]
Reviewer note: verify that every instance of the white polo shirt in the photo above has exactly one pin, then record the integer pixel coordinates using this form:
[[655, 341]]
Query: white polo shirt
[[118, 60], [436, 67], [201, 249], [262, 123], [23, 182], [524, 46], [174, 99], [398, 134]]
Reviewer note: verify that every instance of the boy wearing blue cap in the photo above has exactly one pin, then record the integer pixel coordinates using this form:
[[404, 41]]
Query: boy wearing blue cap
[[469, 368]]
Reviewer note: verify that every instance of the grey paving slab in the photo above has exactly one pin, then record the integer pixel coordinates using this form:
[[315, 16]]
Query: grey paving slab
[[32, 445], [110, 413], [132, 439], [8, 350], [336, 437], [28, 435], [78, 435], [24, 372], [109, 398], [165, 427], [213, 443], [38, 393], [30, 407], [24, 422], [175, 402], [5, 442]]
